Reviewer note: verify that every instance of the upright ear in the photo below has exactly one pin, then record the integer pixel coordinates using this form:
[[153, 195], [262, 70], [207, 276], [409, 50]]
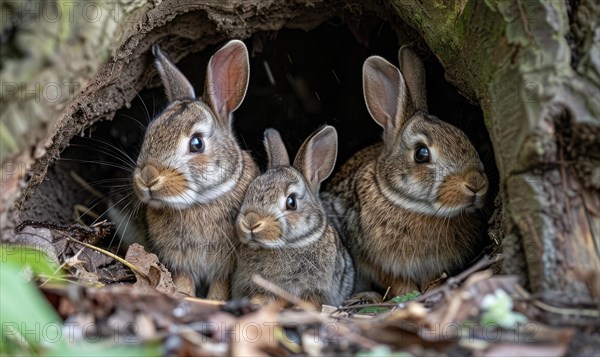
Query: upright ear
[[386, 94], [227, 79], [175, 83], [276, 151], [413, 70], [316, 157]]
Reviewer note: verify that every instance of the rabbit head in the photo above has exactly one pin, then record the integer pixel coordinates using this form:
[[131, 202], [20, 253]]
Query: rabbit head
[[426, 166], [190, 154], [282, 206]]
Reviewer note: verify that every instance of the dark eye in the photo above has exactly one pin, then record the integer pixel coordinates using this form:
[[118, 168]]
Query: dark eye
[[196, 144], [422, 154], [290, 202]]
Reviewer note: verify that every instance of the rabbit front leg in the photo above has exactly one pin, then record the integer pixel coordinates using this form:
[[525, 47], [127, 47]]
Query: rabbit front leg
[[316, 300], [219, 289], [264, 299], [184, 283], [397, 285]]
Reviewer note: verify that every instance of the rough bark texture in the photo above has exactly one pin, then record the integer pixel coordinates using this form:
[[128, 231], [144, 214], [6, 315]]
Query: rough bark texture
[[532, 65]]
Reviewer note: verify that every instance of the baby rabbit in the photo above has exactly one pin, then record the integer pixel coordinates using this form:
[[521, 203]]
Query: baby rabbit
[[407, 208], [193, 175], [283, 226]]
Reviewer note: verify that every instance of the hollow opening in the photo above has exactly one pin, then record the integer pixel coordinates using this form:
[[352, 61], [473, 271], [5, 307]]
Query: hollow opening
[[299, 80]]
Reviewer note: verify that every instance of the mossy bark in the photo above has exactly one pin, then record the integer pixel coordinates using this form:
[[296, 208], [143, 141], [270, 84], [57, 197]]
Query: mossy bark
[[532, 65]]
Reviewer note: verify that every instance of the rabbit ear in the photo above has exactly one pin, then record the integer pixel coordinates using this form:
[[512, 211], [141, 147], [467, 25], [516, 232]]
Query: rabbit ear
[[316, 157], [276, 151], [227, 79], [386, 94], [413, 71], [175, 83]]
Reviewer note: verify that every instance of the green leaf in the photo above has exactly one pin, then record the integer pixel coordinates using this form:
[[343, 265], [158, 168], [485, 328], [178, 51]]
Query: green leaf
[[21, 257], [407, 297], [373, 310], [398, 299], [106, 348], [25, 315]]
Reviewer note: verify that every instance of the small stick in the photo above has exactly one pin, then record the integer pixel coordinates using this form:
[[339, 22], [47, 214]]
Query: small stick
[[267, 285], [353, 307], [566, 311], [555, 309], [115, 257], [483, 263], [203, 301], [386, 293], [309, 309]]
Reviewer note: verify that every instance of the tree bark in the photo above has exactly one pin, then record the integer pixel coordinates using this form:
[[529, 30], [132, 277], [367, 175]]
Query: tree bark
[[532, 66]]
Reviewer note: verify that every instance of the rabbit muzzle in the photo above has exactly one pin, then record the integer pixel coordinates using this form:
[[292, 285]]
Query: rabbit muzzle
[[147, 180], [257, 230], [252, 223], [476, 186], [462, 192]]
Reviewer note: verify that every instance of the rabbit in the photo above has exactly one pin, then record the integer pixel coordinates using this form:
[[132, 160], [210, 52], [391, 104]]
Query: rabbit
[[408, 208], [285, 236], [192, 174]]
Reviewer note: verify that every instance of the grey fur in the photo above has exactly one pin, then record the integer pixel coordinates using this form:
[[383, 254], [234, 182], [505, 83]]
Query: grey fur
[[297, 250]]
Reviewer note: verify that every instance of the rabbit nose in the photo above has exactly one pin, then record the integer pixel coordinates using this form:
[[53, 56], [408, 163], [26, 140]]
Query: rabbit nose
[[253, 223], [476, 182], [149, 176]]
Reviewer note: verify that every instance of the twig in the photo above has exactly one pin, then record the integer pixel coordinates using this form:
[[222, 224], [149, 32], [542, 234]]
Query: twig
[[555, 309], [267, 285], [204, 301], [566, 311], [455, 280], [115, 257], [386, 293], [309, 309], [311, 317], [360, 306]]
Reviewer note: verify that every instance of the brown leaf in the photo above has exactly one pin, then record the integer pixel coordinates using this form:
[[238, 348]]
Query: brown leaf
[[160, 277], [254, 334]]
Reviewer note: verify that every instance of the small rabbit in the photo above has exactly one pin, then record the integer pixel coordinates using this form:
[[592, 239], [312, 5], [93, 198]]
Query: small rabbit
[[193, 175], [407, 208], [288, 240]]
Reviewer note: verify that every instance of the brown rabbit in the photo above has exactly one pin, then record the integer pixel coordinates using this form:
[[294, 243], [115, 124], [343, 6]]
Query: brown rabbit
[[407, 208], [288, 240], [193, 175]]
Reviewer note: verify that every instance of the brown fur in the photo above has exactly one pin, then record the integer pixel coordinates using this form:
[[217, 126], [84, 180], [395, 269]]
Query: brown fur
[[405, 222], [201, 241], [193, 194]]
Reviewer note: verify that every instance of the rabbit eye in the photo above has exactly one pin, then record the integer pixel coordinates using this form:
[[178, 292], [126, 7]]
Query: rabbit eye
[[290, 202], [422, 154], [196, 144]]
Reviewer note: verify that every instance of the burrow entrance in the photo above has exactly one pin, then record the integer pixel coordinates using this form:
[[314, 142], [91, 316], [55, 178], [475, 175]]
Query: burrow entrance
[[299, 80]]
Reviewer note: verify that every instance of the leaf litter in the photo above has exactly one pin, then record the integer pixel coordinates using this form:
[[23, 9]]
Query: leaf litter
[[134, 301]]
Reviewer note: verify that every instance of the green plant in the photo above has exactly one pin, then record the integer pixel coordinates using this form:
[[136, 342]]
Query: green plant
[[28, 323]]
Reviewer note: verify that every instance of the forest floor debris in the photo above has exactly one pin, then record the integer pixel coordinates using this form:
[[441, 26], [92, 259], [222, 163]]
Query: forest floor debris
[[100, 301]]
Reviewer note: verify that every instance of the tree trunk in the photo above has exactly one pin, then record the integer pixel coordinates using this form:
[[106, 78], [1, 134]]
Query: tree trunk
[[531, 65]]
